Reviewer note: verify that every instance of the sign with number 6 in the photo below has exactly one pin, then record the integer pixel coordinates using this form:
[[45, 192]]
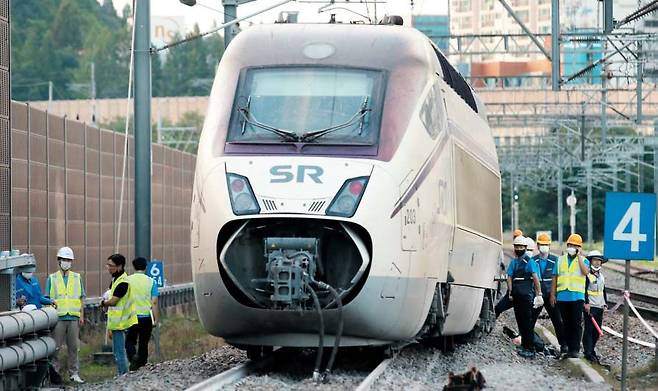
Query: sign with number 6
[[155, 270]]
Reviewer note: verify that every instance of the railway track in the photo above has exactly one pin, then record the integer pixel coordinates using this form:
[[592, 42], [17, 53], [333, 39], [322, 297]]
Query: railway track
[[653, 300], [274, 365], [638, 272]]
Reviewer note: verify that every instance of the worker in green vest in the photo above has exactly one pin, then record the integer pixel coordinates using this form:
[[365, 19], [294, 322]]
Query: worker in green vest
[[568, 293], [145, 295], [66, 290], [121, 313]]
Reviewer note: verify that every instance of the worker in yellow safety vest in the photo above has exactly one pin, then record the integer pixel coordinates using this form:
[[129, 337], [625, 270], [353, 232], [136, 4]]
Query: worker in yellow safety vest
[[121, 312], [144, 291], [568, 291], [66, 290]]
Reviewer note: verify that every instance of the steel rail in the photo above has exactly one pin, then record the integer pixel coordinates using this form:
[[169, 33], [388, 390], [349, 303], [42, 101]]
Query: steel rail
[[634, 296]]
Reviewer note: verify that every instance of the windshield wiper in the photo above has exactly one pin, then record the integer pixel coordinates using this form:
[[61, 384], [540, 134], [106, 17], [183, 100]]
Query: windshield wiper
[[358, 116], [285, 134]]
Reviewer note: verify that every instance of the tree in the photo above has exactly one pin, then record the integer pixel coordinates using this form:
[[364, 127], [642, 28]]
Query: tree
[[57, 40]]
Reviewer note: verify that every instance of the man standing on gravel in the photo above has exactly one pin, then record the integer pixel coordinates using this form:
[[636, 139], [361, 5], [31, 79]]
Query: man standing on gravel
[[568, 291], [145, 296], [121, 313], [595, 304], [66, 290], [547, 262], [522, 276]]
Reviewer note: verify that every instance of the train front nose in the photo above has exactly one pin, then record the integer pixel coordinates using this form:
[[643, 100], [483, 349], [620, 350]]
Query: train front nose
[[273, 263]]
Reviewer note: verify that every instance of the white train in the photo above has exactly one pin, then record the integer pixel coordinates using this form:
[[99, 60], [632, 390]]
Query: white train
[[348, 154]]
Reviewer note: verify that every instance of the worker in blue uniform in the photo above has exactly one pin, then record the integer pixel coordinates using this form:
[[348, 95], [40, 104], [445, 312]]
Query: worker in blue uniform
[[28, 290], [525, 293], [505, 303], [546, 262]]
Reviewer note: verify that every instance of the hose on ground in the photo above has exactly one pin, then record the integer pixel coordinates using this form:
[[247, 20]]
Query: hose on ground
[[318, 357], [339, 331]]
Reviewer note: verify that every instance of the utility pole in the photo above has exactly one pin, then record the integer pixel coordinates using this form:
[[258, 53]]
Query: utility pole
[[555, 44], [50, 94], [511, 201], [638, 85], [655, 168], [230, 13], [604, 95], [93, 93], [560, 233], [571, 201], [589, 203], [142, 110]]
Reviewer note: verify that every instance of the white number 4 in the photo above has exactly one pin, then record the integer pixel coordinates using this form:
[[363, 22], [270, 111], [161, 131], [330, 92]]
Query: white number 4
[[631, 216]]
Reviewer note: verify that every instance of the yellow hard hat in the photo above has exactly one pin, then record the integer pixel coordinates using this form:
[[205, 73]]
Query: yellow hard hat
[[576, 240], [543, 239], [517, 232]]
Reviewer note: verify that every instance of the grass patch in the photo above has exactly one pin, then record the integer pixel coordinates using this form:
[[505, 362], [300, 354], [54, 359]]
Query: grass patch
[[181, 336]]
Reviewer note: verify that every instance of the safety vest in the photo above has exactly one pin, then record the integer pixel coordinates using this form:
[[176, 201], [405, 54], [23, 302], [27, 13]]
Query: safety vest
[[67, 297], [140, 286], [570, 277], [123, 314], [595, 290]]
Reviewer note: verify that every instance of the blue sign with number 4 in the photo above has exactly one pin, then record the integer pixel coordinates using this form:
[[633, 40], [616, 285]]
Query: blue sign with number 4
[[630, 225], [155, 270]]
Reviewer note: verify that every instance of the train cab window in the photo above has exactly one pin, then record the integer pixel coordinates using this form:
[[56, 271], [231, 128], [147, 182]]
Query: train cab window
[[307, 105], [456, 81]]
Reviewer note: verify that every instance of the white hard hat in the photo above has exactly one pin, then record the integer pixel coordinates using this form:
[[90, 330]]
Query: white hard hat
[[520, 241], [530, 243], [594, 253], [65, 252]]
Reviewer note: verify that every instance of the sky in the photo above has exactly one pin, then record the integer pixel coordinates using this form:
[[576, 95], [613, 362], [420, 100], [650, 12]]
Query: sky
[[205, 17]]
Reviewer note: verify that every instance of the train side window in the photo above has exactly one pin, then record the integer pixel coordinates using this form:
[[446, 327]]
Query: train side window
[[456, 81], [431, 114]]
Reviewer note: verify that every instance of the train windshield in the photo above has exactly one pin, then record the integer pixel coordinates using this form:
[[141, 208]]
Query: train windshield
[[318, 105]]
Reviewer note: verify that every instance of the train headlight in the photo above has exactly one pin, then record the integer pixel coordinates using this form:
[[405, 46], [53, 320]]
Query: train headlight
[[347, 200], [242, 197]]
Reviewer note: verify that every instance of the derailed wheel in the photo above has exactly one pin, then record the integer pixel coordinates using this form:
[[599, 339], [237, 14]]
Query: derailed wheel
[[258, 352]]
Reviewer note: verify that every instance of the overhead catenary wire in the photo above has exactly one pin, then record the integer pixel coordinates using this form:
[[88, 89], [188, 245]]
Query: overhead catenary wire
[[218, 28], [117, 240]]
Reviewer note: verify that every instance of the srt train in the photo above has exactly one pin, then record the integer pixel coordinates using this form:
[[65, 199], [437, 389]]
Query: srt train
[[349, 156]]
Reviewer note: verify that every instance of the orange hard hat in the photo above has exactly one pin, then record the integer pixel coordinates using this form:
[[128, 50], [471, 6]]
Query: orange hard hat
[[543, 239], [576, 240], [517, 232]]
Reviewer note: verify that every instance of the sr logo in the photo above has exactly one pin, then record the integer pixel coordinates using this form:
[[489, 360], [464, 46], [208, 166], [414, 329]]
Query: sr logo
[[286, 173]]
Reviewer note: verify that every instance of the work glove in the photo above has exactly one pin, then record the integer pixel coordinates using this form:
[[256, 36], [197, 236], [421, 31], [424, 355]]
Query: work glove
[[538, 302]]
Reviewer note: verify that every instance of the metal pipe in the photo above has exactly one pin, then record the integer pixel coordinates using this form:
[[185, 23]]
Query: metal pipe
[[655, 167], [15, 324], [26, 352], [142, 60], [525, 28]]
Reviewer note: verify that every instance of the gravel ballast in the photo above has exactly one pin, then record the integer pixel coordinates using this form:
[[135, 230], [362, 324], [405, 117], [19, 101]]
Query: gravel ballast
[[174, 374], [419, 368]]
